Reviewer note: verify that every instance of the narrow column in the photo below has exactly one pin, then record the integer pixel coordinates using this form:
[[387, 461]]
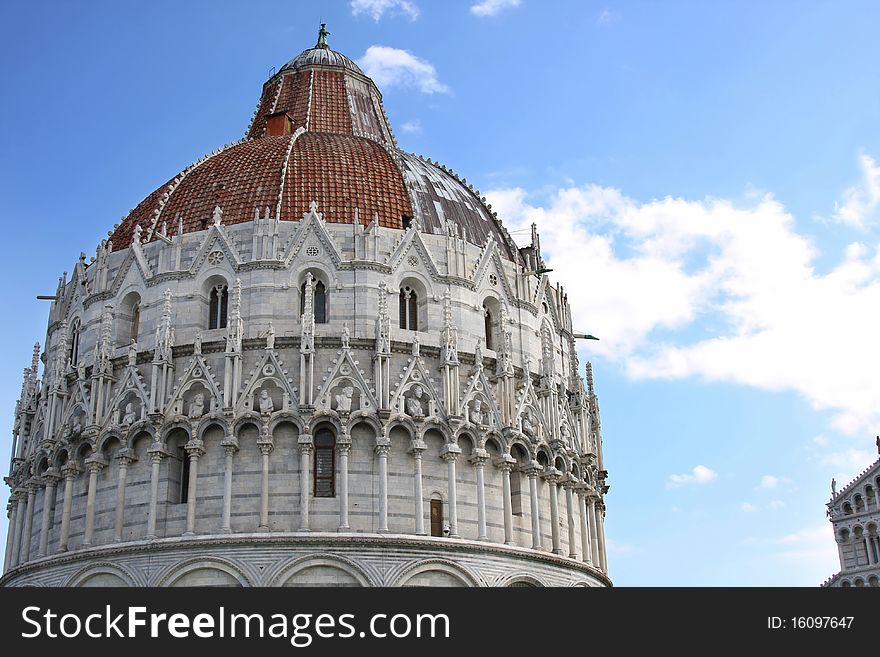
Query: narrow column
[[230, 447], [532, 473], [552, 477], [125, 457], [51, 477], [194, 448], [594, 535], [305, 480], [157, 453], [600, 523], [266, 446], [450, 454], [69, 472], [343, 449], [10, 530], [382, 450], [25, 554], [479, 458], [569, 512], [17, 525], [94, 464], [505, 464], [417, 448], [586, 549]]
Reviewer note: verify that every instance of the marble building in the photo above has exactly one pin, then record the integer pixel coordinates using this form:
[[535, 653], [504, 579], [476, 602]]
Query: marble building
[[309, 358], [854, 512]]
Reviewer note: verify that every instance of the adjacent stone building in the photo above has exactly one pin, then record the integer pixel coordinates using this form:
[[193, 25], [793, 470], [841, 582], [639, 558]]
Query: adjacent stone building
[[309, 358], [854, 511]]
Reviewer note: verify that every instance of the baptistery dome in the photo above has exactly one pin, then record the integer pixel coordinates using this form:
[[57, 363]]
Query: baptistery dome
[[309, 358]]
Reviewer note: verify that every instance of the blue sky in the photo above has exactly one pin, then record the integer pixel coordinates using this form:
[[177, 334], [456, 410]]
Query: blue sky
[[703, 176]]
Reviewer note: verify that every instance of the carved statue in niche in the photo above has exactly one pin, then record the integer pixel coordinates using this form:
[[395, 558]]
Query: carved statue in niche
[[346, 336], [343, 399], [270, 337], [266, 404], [197, 406], [77, 427], [197, 343], [129, 417], [565, 433], [528, 427], [477, 414], [132, 353], [414, 404]]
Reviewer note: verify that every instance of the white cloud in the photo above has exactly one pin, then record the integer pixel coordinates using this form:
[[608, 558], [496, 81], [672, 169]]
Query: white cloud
[[413, 125], [776, 504], [377, 8], [606, 17], [847, 464], [769, 482], [492, 7], [748, 507], [390, 67], [861, 202], [699, 475], [733, 287]]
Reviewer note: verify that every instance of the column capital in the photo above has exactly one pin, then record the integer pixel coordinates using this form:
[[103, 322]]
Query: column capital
[[505, 462], [52, 476], [157, 452], [126, 457], [382, 447], [32, 484], [195, 447], [450, 452], [95, 463], [479, 457], [265, 446], [229, 444], [343, 447], [70, 470], [416, 447], [552, 475], [533, 469]]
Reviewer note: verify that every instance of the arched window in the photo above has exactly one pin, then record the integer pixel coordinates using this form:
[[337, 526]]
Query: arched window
[[325, 463], [135, 321], [184, 476], [320, 301], [489, 327], [436, 517], [74, 343], [219, 307], [409, 309]]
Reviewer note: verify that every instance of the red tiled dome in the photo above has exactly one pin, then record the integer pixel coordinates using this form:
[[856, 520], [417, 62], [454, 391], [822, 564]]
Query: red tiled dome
[[321, 121]]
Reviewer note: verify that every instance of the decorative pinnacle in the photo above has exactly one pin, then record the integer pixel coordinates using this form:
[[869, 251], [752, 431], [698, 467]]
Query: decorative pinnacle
[[322, 37]]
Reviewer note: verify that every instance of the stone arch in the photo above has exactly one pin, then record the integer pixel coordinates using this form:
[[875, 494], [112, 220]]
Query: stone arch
[[284, 417], [414, 282], [431, 424], [326, 416], [362, 417], [106, 439], [322, 274], [127, 315], [490, 308], [137, 430], [205, 569], [251, 419], [494, 444], [519, 580], [326, 570], [83, 451], [210, 421], [102, 574], [435, 572], [469, 438], [180, 424], [61, 456]]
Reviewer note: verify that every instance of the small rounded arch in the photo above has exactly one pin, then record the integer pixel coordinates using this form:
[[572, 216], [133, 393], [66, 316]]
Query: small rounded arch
[[520, 580], [325, 417], [466, 441], [210, 422], [437, 573], [203, 571], [324, 282], [520, 452], [432, 425], [323, 570], [84, 451], [843, 535], [102, 574], [127, 316], [173, 430], [247, 420], [109, 443], [412, 304], [61, 457], [494, 444], [491, 321], [282, 418]]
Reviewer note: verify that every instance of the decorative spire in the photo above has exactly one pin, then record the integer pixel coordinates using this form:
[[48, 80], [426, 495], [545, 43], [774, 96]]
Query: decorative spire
[[104, 347], [590, 378], [235, 325], [383, 322], [478, 356], [307, 341], [61, 356], [504, 364], [322, 37], [449, 335]]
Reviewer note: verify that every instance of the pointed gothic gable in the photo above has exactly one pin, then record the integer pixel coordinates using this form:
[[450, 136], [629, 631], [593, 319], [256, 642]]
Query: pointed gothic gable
[[412, 241], [527, 399], [129, 382], [345, 369], [490, 262], [552, 313], [479, 387], [133, 256], [269, 369], [311, 232], [216, 239], [197, 372], [416, 374], [79, 398]]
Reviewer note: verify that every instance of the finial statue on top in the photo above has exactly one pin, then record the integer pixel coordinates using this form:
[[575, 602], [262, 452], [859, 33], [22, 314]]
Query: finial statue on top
[[322, 36], [833, 486]]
